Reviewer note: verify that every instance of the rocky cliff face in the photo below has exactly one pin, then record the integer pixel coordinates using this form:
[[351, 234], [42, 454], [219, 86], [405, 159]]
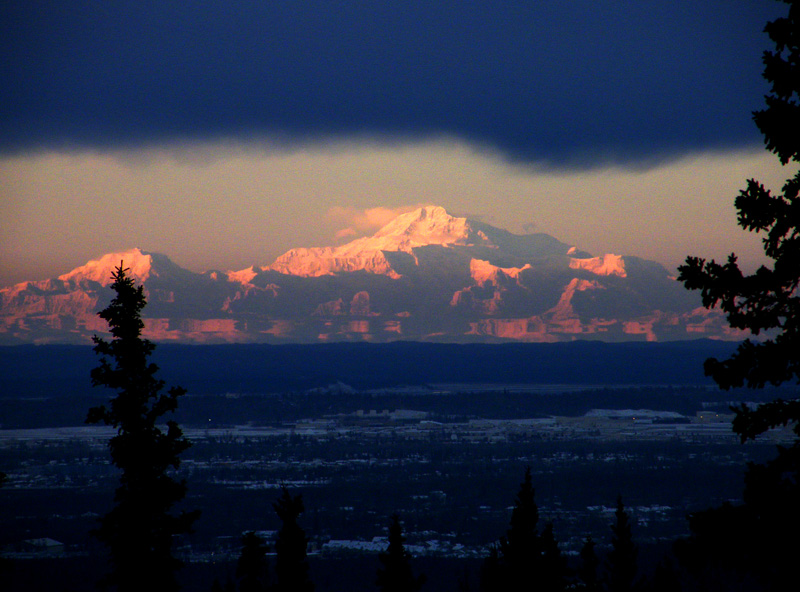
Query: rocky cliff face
[[424, 276]]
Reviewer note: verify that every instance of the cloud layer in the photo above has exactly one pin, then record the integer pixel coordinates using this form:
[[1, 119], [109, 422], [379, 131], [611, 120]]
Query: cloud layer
[[360, 222], [562, 82]]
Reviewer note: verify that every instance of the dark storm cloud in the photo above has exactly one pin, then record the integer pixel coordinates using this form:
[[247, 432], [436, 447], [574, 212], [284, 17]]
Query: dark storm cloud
[[554, 81]]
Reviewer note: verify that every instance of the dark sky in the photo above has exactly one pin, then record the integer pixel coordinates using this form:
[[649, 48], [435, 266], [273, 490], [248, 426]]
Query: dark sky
[[549, 81]]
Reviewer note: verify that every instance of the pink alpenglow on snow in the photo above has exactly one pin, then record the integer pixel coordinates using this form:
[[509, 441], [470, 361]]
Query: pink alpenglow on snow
[[484, 272], [606, 265], [425, 275], [138, 264], [429, 225]]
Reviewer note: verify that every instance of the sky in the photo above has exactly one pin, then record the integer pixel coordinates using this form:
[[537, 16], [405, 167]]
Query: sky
[[224, 134]]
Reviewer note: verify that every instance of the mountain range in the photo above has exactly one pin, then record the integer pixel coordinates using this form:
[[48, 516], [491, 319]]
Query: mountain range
[[425, 276]]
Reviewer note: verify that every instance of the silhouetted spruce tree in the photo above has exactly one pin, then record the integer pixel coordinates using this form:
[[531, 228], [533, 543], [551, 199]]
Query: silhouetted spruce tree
[[732, 544], [524, 559], [767, 300], [751, 538], [5, 563], [587, 572], [622, 558], [491, 573], [139, 530], [395, 575], [554, 571], [291, 560], [251, 569], [521, 547], [515, 562]]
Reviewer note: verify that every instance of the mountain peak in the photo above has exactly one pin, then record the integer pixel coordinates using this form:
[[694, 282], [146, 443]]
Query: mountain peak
[[425, 226], [138, 262], [427, 275], [428, 225]]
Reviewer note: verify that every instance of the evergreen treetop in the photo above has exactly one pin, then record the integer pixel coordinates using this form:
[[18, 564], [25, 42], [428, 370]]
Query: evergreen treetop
[[752, 537], [396, 575], [139, 529], [522, 543], [622, 558], [251, 568], [553, 577], [587, 572], [291, 560], [767, 300], [520, 558]]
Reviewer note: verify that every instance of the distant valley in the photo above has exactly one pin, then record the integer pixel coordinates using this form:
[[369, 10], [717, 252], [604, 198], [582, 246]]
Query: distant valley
[[54, 371]]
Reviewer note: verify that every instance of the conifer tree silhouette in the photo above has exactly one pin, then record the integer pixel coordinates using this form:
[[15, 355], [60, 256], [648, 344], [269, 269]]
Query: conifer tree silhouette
[[5, 564], [139, 529], [751, 537], [291, 546], [622, 558], [767, 300], [251, 568], [525, 559], [553, 575], [521, 547], [491, 572], [396, 575], [587, 572], [515, 562]]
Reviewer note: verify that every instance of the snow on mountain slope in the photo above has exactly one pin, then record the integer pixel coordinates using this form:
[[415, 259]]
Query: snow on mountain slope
[[244, 276], [484, 272], [429, 225], [606, 265], [564, 309], [426, 275], [424, 227], [315, 262], [73, 294], [138, 263]]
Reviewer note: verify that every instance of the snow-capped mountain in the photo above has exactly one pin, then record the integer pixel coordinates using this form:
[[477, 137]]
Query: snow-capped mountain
[[428, 226], [426, 275]]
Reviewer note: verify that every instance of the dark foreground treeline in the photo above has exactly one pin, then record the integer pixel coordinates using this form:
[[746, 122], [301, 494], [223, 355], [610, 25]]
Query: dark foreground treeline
[[730, 548], [471, 475], [727, 550]]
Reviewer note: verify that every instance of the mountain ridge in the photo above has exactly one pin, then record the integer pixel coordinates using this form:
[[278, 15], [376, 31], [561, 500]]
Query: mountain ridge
[[426, 275], [425, 227]]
